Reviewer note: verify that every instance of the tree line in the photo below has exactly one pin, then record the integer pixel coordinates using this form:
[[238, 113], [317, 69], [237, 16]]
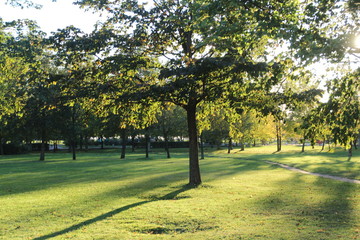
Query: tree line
[[217, 69]]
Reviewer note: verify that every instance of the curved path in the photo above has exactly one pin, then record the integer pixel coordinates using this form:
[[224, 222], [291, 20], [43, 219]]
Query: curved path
[[315, 174]]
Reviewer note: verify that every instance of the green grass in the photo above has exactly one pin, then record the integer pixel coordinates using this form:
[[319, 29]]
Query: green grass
[[335, 162], [100, 196]]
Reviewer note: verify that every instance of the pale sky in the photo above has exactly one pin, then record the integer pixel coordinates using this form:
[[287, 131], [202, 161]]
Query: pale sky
[[52, 16]]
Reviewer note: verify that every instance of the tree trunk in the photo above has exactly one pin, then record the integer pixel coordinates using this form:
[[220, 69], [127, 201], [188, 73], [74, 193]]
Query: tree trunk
[[166, 138], [303, 146], [167, 145], [42, 148], [73, 134], [55, 146], [230, 145], [254, 144], [194, 168], [202, 147], [355, 144], [242, 145], [73, 148], [123, 143], [278, 136], [147, 143], [42, 151], [323, 145], [102, 142], [350, 151]]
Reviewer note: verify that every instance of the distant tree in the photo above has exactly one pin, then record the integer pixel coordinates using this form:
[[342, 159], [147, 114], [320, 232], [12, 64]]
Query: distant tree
[[342, 112], [11, 71], [76, 73], [13, 67], [171, 123], [35, 88]]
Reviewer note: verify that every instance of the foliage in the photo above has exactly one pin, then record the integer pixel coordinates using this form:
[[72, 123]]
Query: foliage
[[214, 49], [342, 112], [198, 55], [171, 122], [23, 3]]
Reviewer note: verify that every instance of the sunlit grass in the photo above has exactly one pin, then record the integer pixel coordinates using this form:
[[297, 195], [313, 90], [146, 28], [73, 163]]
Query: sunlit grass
[[100, 196], [334, 162]]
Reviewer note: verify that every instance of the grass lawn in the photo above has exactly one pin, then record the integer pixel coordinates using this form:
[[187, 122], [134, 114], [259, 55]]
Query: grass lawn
[[335, 162], [100, 196]]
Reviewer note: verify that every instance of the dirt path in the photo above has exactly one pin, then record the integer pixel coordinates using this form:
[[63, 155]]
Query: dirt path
[[315, 174]]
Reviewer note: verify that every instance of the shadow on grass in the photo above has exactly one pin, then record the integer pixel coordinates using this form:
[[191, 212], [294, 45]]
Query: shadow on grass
[[26, 175], [337, 210], [104, 216], [143, 190], [324, 205]]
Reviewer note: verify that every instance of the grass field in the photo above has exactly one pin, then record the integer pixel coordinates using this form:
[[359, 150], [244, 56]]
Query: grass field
[[100, 196]]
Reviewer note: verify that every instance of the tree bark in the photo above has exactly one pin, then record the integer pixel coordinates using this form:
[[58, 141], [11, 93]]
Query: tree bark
[[242, 145], [355, 144], [73, 134], [73, 148], [230, 145], [123, 143], [42, 151], [350, 151], [303, 146], [166, 138], [147, 143], [102, 142], [167, 145], [323, 145], [278, 136], [55, 146], [194, 168]]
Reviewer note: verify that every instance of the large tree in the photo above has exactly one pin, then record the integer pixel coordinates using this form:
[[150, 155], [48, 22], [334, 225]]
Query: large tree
[[208, 49]]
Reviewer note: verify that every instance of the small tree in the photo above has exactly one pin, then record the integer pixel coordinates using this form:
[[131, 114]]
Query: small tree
[[342, 112]]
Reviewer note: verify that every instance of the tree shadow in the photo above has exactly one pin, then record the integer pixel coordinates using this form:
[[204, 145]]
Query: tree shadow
[[104, 216], [337, 210], [326, 204], [36, 175]]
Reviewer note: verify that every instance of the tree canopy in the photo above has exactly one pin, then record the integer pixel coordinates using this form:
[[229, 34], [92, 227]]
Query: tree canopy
[[191, 53]]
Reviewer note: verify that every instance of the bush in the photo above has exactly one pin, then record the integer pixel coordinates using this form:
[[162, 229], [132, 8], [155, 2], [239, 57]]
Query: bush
[[171, 144], [15, 148]]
